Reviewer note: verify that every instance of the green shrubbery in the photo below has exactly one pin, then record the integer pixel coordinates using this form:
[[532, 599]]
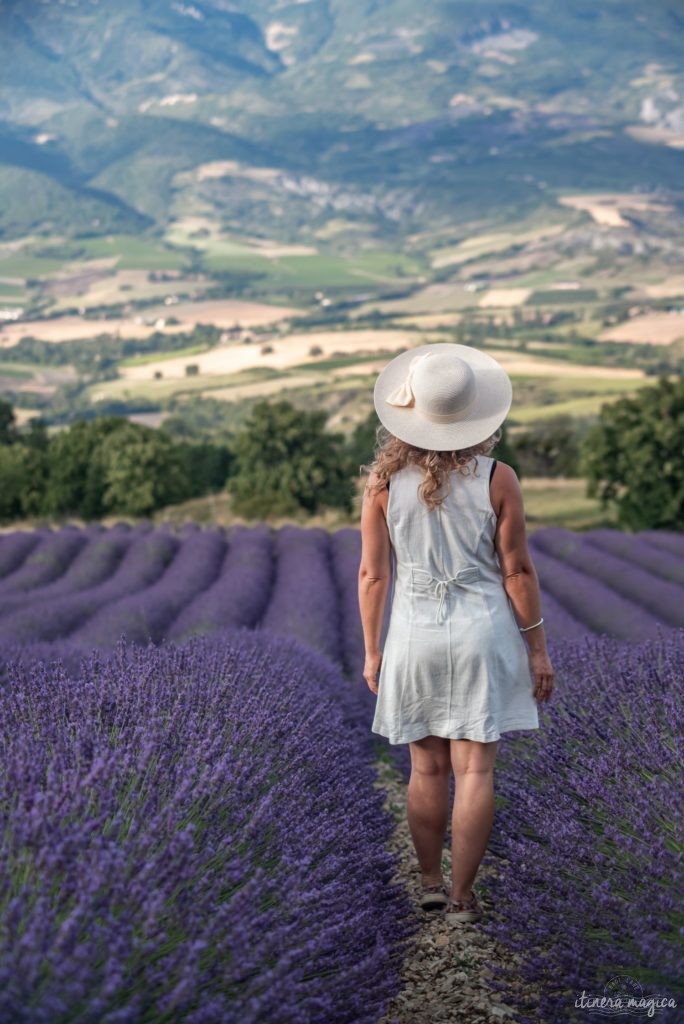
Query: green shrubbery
[[101, 467], [634, 457], [286, 461]]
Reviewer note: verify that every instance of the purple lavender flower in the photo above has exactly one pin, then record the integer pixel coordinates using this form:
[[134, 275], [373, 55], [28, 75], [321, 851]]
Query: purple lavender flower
[[190, 832], [241, 592], [146, 615], [588, 831], [659, 598], [304, 600], [146, 558]]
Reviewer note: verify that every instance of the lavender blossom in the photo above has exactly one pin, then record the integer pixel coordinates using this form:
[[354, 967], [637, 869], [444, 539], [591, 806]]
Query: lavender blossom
[[190, 834]]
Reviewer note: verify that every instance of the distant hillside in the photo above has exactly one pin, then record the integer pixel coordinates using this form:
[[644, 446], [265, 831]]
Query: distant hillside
[[386, 116]]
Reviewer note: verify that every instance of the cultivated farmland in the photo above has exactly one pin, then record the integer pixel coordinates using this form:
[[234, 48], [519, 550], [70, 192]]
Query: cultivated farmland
[[187, 709]]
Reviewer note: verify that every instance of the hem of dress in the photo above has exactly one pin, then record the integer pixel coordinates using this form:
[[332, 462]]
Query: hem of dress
[[446, 732]]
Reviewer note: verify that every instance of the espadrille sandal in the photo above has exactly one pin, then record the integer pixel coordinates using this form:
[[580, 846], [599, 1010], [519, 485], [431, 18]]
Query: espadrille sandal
[[433, 897], [464, 911]]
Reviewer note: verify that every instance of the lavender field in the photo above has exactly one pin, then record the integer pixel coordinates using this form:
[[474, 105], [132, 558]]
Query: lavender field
[[190, 830], [91, 586]]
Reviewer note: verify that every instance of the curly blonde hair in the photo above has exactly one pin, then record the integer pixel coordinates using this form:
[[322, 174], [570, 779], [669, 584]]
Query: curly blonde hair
[[391, 455]]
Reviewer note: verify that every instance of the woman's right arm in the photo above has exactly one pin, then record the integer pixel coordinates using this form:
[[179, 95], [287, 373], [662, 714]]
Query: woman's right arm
[[518, 572]]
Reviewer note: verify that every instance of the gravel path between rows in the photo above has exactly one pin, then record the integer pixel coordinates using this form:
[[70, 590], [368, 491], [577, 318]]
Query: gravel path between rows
[[445, 972]]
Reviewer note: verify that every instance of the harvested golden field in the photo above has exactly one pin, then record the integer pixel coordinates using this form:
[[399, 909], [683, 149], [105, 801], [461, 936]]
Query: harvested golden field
[[605, 207], [220, 312], [430, 321], [71, 328], [649, 329], [670, 287], [481, 245], [523, 364], [286, 352], [505, 297]]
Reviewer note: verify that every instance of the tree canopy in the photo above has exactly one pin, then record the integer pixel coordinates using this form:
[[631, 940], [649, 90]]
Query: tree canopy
[[285, 462], [633, 458]]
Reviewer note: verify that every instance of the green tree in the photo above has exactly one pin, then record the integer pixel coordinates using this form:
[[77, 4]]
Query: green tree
[[633, 457], [76, 477], [35, 435], [286, 461], [8, 428], [206, 465], [361, 442], [142, 471], [550, 448], [505, 452], [23, 471]]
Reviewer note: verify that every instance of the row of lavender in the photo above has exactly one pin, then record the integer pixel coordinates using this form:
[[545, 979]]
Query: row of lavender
[[93, 585], [304, 583], [189, 835], [588, 836]]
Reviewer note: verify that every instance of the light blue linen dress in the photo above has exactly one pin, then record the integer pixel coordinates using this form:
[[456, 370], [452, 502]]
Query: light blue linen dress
[[454, 662]]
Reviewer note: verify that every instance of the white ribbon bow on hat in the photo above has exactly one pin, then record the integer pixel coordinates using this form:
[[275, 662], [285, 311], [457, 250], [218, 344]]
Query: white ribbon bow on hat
[[403, 395]]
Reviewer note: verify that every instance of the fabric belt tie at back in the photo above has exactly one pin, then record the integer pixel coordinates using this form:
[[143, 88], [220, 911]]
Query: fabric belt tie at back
[[423, 580]]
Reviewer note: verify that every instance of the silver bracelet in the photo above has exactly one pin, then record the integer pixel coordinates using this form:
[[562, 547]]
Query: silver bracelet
[[523, 629]]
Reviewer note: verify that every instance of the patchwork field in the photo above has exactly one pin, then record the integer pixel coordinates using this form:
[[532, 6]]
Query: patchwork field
[[222, 313], [103, 287], [287, 351], [651, 329], [607, 209]]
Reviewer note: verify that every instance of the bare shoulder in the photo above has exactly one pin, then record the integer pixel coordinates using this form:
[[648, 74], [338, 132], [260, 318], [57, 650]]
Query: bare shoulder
[[372, 481], [505, 475], [505, 487], [372, 495]]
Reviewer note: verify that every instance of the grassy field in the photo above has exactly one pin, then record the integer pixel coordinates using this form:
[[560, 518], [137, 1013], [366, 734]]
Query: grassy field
[[562, 502], [154, 357], [548, 502]]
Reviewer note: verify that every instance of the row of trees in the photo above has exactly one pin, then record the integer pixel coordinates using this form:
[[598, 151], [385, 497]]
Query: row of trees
[[284, 461], [101, 467]]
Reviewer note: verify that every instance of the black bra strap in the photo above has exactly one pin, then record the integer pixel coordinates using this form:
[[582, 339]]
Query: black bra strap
[[491, 471]]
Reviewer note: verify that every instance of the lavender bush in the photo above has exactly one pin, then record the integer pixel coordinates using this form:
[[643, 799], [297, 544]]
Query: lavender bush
[[146, 615], [146, 559], [558, 621], [48, 559], [345, 551], [92, 565], [190, 835], [660, 598], [588, 832], [345, 556], [590, 601], [14, 548], [240, 594], [304, 601], [639, 551], [665, 540]]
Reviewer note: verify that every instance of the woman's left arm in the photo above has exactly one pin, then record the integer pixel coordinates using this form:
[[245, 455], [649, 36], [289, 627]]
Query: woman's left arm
[[374, 577]]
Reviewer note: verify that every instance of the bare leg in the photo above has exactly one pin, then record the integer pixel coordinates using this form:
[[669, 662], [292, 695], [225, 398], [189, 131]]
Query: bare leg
[[428, 803], [473, 813]]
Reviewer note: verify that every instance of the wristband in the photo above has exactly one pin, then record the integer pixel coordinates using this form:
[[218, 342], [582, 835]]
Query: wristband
[[523, 629]]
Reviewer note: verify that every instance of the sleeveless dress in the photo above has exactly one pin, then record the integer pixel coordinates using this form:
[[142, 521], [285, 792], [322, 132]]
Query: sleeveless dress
[[454, 662]]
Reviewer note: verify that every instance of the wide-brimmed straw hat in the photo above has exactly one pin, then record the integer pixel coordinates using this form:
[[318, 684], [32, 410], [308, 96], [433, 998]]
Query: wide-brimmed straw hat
[[442, 396]]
